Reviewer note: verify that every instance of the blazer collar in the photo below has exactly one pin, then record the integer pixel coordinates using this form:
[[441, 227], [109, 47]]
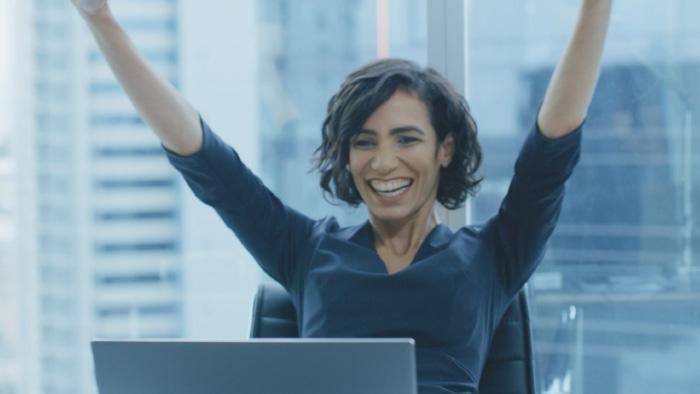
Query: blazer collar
[[363, 235]]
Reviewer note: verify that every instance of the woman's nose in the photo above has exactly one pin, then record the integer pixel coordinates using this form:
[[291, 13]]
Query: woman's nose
[[384, 160]]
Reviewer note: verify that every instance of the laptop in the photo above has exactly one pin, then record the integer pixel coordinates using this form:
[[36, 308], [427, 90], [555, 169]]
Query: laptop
[[256, 366]]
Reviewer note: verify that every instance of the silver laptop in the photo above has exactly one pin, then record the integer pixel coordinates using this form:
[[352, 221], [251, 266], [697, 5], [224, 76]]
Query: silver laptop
[[256, 366]]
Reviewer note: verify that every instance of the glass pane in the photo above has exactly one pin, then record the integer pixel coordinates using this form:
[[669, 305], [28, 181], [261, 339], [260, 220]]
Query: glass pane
[[306, 53], [616, 301]]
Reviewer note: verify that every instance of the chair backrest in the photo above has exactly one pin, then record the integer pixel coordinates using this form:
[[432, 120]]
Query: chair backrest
[[509, 366]]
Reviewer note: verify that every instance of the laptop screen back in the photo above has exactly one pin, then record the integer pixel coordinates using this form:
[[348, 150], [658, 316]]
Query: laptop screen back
[[257, 366]]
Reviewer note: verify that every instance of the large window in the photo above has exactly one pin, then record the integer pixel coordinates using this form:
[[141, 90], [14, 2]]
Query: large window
[[100, 237], [616, 301]]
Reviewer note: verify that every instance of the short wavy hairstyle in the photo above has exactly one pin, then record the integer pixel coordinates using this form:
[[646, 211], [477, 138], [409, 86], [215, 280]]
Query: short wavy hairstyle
[[368, 87]]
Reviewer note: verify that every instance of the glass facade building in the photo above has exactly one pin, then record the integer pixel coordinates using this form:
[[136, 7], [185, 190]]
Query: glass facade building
[[106, 232]]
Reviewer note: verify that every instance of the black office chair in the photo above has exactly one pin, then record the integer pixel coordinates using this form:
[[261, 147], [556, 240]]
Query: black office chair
[[509, 367]]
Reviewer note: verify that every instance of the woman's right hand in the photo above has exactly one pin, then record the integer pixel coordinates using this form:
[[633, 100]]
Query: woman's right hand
[[89, 7]]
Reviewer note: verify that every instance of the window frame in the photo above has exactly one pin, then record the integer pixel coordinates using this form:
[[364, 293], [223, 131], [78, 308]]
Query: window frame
[[448, 54]]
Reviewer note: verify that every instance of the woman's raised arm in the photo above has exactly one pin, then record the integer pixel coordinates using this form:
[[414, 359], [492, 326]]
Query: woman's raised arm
[[571, 89], [161, 106]]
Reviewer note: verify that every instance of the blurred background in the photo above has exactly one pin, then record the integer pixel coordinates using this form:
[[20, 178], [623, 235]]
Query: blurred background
[[99, 237]]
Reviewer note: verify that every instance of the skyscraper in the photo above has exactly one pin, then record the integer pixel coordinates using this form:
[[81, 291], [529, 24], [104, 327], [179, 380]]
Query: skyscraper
[[132, 192], [107, 228]]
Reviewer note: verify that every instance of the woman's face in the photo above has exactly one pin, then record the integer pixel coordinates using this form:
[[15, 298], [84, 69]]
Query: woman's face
[[393, 161]]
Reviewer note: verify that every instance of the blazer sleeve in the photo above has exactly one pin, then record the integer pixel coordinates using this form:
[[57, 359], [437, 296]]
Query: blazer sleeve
[[529, 212], [275, 235]]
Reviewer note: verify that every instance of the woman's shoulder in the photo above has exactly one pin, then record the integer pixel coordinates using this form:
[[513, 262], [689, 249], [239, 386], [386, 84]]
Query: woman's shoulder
[[474, 234], [474, 229]]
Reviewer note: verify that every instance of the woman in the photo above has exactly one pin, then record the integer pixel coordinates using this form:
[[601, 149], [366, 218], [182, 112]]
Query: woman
[[396, 138]]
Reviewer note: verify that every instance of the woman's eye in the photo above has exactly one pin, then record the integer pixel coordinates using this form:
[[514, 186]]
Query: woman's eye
[[407, 140], [362, 143]]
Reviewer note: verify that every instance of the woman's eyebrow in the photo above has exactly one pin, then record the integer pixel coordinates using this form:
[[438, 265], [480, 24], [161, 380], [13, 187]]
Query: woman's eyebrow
[[396, 130]]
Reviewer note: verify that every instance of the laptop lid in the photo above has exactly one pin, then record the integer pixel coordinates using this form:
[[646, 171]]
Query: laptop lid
[[256, 366]]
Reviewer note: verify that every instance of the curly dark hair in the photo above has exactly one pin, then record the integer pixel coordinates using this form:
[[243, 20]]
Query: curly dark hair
[[362, 92]]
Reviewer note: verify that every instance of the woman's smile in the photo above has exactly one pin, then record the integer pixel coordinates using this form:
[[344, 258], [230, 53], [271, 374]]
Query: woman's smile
[[391, 191]]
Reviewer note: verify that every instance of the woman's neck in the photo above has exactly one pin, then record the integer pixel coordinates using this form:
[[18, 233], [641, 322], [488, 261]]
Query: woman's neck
[[403, 237]]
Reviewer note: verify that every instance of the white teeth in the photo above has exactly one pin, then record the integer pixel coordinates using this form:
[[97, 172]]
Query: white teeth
[[394, 193], [389, 186]]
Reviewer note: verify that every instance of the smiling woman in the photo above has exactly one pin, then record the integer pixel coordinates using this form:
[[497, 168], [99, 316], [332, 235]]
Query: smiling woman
[[400, 273], [443, 114], [396, 138]]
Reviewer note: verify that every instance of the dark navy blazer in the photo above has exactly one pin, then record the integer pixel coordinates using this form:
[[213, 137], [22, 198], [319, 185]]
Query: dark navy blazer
[[449, 299]]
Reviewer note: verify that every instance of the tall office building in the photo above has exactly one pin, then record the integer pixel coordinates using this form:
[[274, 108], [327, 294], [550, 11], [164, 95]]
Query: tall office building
[[107, 228], [59, 266], [132, 197]]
